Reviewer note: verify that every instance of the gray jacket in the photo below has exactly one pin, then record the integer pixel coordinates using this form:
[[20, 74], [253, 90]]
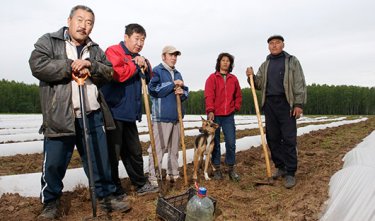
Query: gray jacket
[[50, 64], [294, 81]]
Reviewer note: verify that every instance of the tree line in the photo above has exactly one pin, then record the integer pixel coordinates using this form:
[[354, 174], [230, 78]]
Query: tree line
[[18, 97], [321, 99]]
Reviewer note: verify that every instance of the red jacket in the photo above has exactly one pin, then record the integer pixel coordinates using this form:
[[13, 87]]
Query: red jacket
[[123, 66], [124, 94], [222, 98]]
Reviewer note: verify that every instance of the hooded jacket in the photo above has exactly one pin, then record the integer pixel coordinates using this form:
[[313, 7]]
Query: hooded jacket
[[49, 63]]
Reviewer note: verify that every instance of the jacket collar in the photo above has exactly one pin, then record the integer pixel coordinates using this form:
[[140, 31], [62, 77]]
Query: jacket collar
[[63, 35], [126, 50], [165, 66], [217, 73], [284, 52]]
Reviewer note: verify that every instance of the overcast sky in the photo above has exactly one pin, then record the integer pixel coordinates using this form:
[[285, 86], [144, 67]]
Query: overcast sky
[[333, 39]]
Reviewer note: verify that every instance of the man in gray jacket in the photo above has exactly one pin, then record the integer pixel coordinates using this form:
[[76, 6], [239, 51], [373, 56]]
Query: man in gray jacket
[[282, 83], [56, 58]]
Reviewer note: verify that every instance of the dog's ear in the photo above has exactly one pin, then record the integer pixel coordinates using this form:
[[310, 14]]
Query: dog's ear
[[202, 118]]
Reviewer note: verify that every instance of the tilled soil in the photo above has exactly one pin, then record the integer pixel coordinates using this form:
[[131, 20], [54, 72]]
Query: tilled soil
[[32, 163], [320, 156]]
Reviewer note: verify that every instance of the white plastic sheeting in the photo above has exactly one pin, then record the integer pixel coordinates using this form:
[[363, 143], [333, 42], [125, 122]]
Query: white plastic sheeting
[[352, 189], [29, 184], [18, 137]]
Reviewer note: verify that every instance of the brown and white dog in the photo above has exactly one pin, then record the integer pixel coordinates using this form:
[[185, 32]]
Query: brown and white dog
[[204, 144]]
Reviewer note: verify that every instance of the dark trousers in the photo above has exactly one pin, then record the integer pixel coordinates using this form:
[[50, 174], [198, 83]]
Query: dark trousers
[[124, 143], [281, 133], [229, 131], [58, 153]]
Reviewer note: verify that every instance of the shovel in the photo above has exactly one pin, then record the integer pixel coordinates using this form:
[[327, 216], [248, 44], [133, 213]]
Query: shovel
[[81, 87], [151, 133], [264, 145], [182, 135]]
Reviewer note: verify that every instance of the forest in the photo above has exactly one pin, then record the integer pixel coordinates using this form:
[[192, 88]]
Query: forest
[[16, 97]]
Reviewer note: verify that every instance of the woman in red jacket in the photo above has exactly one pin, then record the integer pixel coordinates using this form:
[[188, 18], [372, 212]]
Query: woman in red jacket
[[223, 98]]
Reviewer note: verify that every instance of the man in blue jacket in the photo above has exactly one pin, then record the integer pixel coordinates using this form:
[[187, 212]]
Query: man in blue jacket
[[166, 83], [124, 97]]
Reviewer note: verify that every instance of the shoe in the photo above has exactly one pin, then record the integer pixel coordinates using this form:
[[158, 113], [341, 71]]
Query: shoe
[[120, 196], [119, 193], [112, 203], [234, 176], [290, 181], [50, 210], [279, 173], [172, 178], [147, 188], [154, 183], [218, 175]]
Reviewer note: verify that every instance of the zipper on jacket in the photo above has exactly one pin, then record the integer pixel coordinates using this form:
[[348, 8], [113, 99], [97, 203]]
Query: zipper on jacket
[[225, 89]]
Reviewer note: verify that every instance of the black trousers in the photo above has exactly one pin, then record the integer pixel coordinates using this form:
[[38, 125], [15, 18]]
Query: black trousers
[[124, 143], [281, 133]]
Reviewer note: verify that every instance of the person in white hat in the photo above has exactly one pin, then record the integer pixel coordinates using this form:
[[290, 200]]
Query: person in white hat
[[165, 84]]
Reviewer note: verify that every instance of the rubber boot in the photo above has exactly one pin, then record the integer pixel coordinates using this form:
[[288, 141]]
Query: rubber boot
[[232, 174], [217, 173]]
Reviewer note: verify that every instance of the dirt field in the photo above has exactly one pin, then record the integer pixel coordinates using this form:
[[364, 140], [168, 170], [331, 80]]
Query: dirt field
[[320, 155]]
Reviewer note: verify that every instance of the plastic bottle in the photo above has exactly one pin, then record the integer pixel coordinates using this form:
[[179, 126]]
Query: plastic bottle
[[200, 207]]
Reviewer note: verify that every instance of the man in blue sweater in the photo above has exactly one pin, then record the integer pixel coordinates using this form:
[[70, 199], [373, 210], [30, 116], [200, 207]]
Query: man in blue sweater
[[166, 83]]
